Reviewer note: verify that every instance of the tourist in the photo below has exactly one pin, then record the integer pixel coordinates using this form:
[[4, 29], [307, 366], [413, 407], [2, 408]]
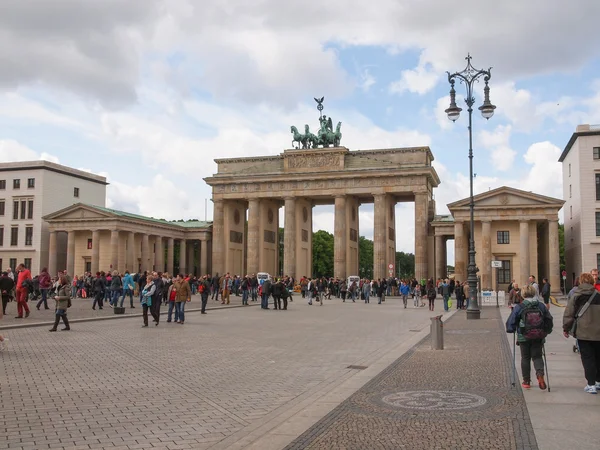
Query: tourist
[[215, 287], [245, 288], [204, 289], [532, 321], [226, 289], [514, 295], [157, 296], [44, 283], [431, 294], [594, 273], [128, 288], [172, 296], [417, 296], [184, 295], [445, 291], [404, 291], [7, 285], [460, 294], [546, 292], [141, 282], [98, 287], [254, 287], [366, 290], [265, 291], [22, 291], [534, 284], [276, 291], [584, 325], [115, 287], [380, 289], [147, 292], [352, 291], [63, 300], [343, 290]]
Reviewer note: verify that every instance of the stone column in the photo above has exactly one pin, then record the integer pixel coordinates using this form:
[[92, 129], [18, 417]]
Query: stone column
[[114, 249], [553, 256], [379, 237], [145, 253], [203, 258], [159, 258], [52, 255], [218, 239], [131, 263], [524, 252], [170, 255], [339, 238], [289, 238], [440, 262], [421, 232], [252, 258], [190, 261], [460, 252], [486, 255], [71, 253], [182, 254], [95, 251]]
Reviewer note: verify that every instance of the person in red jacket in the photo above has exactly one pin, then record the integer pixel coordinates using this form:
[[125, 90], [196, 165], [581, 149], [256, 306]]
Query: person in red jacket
[[22, 291]]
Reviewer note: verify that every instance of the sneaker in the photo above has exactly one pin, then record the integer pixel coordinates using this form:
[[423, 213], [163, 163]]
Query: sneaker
[[541, 382], [590, 389], [526, 384], [597, 385]]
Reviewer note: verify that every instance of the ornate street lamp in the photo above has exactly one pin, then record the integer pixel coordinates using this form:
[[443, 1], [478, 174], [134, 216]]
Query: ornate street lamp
[[468, 77]]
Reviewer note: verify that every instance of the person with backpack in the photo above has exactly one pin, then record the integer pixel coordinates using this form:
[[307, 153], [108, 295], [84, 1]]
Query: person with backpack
[[115, 288], [582, 321], [204, 289], [532, 322], [431, 294]]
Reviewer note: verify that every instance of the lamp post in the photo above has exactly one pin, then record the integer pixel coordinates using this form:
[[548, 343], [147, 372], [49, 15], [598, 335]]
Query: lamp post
[[468, 77]]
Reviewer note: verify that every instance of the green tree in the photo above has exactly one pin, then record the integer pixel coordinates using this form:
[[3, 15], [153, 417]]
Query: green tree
[[322, 254], [405, 265], [365, 257]]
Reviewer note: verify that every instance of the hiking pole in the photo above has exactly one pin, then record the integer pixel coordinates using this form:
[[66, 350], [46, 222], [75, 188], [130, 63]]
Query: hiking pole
[[514, 371], [546, 364]]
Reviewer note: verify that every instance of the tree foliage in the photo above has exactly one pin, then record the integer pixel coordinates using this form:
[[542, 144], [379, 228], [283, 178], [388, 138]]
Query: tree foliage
[[405, 265], [322, 254], [365, 257]]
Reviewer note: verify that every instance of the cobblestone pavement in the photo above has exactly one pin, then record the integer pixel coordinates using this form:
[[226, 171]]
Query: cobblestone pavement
[[458, 398], [112, 384], [82, 309]]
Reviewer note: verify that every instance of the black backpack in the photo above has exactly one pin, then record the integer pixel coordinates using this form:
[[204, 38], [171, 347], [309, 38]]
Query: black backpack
[[532, 322]]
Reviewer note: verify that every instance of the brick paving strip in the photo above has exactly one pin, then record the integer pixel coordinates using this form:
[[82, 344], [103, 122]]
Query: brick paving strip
[[458, 398], [82, 311]]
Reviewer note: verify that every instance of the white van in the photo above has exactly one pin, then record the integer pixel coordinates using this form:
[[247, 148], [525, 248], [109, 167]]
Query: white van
[[262, 276], [353, 279]]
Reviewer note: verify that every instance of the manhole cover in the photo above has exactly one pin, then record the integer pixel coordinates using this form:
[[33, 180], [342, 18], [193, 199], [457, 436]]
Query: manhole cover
[[357, 367], [467, 331], [434, 400]]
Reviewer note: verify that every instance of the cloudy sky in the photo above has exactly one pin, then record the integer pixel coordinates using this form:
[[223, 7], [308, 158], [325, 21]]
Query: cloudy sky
[[150, 92]]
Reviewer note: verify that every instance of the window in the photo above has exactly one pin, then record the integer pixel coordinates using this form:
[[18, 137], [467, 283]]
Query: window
[[597, 223], [89, 245], [596, 152], [14, 236], [597, 262], [1, 239], [503, 237], [27, 263], [75, 192], [570, 191], [88, 266], [12, 264], [2, 184], [15, 209], [2, 207], [504, 276], [30, 182], [16, 183], [30, 209], [569, 169], [23, 208], [598, 186], [28, 235], [571, 211]]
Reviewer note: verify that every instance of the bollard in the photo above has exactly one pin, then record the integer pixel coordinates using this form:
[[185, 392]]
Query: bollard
[[437, 333]]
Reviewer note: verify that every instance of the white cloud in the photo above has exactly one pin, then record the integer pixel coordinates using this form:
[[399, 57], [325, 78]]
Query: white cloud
[[12, 151], [544, 174], [366, 80], [498, 142], [420, 80]]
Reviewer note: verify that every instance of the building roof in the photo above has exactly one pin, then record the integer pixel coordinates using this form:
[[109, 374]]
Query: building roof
[[443, 218], [54, 167], [124, 214], [582, 130], [508, 194]]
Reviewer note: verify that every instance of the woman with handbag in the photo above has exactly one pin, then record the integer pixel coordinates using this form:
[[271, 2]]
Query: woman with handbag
[[63, 302], [582, 321]]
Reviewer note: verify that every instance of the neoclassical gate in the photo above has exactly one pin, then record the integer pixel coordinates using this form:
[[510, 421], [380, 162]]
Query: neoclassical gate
[[301, 179]]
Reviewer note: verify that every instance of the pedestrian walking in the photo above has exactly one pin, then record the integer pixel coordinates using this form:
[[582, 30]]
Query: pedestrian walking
[[431, 294], [445, 291], [128, 289], [404, 291], [582, 321], [63, 302], [147, 293], [157, 296], [44, 282], [204, 289], [24, 276], [7, 285], [184, 295], [532, 322], [99, 286]]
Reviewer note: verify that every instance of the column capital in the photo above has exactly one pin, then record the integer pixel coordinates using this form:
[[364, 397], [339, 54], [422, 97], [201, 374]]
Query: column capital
[[554, 219], [289, 198], [524, 220], [485, 220]]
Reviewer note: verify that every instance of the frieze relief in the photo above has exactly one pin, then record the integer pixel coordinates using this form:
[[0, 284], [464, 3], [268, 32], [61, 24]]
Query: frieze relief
[[313, 161]]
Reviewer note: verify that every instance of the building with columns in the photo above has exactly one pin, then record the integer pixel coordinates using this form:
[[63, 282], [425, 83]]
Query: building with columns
[[88, 238], [581, 190], [300, 179], [516, 227], [30, 190]]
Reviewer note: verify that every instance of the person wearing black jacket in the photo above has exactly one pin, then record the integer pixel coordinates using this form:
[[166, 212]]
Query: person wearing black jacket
[[215, 287], [98, 287], [266, 291], [7, 284], [277, 290], [157, 296]]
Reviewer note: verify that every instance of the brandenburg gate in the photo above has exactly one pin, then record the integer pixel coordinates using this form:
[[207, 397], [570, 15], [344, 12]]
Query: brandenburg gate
[[299, 179]]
